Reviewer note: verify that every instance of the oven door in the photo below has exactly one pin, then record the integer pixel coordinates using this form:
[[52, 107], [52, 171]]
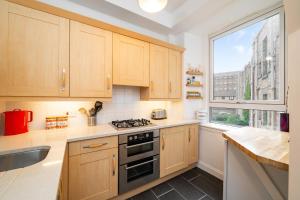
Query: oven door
[[129, 153], [137, 173]]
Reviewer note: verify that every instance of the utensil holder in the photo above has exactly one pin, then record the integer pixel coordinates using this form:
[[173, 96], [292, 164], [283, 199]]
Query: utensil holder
[[92, 121]]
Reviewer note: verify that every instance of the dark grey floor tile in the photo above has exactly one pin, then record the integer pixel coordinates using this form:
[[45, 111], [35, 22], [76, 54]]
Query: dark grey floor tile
[[185, 188], [209, 176], [206, 198], [161, 189], [173, 195], [189, 175], [209, 187], [147, 195]]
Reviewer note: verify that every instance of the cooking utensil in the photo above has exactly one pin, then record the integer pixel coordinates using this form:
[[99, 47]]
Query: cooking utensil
[[98, 106], [83, 111], [92, 112]]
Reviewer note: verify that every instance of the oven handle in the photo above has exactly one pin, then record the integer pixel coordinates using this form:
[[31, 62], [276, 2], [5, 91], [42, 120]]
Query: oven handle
[[136, 145], [137, 165]]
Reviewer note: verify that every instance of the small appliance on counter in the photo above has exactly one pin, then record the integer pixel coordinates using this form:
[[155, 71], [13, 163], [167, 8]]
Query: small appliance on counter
[[159, 114], [16, 121]]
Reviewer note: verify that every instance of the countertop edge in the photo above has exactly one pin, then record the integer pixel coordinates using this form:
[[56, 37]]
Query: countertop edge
[[261, 159]]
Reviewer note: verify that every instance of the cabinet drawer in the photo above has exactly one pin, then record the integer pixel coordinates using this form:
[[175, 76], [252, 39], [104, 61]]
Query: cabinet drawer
[[92, 145]]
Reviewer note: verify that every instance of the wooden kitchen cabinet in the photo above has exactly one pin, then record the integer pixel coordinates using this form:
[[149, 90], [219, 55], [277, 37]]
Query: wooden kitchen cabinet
[[159, 61], [34, 52], [165, 74], [175, 74], [90, 61], [94, 175], [173, 150], [193, 143], [130, 61]]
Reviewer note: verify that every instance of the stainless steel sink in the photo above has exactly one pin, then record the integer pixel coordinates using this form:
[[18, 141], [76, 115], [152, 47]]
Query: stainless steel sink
[[23, 158]]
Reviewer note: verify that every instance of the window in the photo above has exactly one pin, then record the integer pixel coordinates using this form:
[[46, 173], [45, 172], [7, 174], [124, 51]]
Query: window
[[247, 81], [244, 117]]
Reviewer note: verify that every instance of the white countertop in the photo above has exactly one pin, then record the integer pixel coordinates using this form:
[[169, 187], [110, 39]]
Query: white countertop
[[41, 180]]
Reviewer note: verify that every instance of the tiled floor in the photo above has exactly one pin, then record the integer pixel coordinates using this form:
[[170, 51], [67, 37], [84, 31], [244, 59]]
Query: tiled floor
[[192, 185]]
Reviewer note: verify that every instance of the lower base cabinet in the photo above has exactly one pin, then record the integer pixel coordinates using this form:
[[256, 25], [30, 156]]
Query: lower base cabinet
[[94, 176], [193, 143], [93, 164], [172, 150], [178, 148]]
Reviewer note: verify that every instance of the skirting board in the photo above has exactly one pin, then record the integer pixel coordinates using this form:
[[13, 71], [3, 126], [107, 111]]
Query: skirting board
[[211, 170]]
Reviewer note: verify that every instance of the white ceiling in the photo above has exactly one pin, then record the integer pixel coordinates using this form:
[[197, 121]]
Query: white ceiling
[[195, 16], [174, 4]]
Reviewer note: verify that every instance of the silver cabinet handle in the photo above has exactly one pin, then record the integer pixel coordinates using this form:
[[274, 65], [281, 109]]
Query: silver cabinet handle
[[108, 82], [163, 143], [137, 165], [136, 145], [114, 165], [91, 146]]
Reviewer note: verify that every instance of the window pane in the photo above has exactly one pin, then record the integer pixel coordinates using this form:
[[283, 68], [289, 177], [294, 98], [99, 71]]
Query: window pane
[[246, 62], [243, 117]]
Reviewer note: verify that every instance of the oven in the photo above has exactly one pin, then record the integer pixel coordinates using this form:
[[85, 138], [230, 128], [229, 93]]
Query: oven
[[138, 159]]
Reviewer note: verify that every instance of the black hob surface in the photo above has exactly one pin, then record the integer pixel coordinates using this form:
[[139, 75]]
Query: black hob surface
[[131, 123]]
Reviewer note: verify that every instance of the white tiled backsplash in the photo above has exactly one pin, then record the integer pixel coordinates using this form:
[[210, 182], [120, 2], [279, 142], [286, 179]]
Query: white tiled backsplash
[[125, 104]]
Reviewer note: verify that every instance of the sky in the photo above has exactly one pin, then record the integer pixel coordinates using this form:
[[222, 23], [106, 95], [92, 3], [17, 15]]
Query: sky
[[232, 52]]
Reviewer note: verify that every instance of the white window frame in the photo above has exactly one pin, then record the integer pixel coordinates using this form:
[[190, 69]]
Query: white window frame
[[272, 105]]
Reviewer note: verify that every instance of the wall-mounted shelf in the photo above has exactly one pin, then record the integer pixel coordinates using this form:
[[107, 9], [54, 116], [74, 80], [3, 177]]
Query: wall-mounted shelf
[[192, 73], [194, 97], [197, 84]]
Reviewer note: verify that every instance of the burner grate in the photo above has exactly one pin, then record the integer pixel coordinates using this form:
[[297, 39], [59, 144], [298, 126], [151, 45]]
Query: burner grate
[[130, 123]]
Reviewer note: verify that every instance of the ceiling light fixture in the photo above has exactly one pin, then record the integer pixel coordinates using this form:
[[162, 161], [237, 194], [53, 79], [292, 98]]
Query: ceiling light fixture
[[152, 6]]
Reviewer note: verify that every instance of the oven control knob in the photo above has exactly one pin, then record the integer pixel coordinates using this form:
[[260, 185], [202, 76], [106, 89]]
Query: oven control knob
[[130, 138], [135, 137], [147, 135]]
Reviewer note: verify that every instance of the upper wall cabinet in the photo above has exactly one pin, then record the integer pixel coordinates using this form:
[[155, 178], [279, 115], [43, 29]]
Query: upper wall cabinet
[[90, 61], [34, 52], [158, 74], [175, 74], [130, 61], [165, 74]]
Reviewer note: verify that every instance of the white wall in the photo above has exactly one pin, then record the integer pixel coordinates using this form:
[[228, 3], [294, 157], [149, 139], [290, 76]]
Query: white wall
[[293, 29], [125, 104], [194, 56]]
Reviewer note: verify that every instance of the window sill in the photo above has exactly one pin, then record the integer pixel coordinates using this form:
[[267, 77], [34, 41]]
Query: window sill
[[218, 127]]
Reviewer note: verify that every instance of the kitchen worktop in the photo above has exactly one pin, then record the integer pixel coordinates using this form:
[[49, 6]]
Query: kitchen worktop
[[41, 180], [265, 146]]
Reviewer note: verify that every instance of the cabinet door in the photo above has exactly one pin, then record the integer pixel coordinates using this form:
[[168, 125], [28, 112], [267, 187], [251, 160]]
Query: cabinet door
[[193, 143], [159, 63], [173, 156], [130, 61], [90, 61], [175, 74], [93, 175], [34, 52]]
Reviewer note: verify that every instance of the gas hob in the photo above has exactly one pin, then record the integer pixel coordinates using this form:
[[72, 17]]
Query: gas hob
[[131, 123]]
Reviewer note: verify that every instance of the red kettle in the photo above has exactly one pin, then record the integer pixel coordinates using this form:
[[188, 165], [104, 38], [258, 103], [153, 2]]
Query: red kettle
[[16, 121]]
